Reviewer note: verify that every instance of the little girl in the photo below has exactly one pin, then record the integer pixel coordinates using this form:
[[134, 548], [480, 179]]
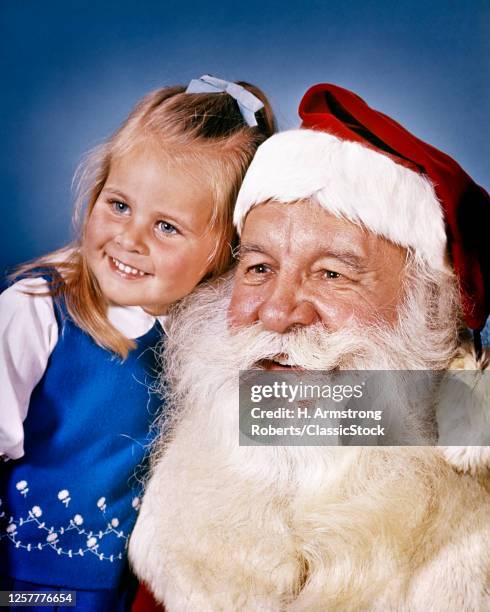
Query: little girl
[[79, 328]]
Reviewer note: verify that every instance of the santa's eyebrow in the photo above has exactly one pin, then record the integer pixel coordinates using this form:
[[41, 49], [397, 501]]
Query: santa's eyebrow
[[245, 249], [347, 257]]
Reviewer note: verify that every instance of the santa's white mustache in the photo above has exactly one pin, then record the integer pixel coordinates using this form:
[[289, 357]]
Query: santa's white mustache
[[309, 348]]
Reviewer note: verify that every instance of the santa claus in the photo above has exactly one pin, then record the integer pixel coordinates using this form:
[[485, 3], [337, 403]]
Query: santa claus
[[361, 248]]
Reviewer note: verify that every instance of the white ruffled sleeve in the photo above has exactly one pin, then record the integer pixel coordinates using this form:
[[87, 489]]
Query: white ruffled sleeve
[[28, 335]]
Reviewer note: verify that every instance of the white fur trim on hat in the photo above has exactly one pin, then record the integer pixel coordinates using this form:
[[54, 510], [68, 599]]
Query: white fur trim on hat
[[351, 181]]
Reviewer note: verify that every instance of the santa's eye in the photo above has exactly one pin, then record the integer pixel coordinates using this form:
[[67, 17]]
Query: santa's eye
[[331, 275], [258, 269]]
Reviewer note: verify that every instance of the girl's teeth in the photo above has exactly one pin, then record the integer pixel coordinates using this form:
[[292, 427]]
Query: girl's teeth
[[127, 269]]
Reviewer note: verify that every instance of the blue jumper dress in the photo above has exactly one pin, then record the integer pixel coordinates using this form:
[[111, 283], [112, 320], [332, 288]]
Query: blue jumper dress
[[68, 506]]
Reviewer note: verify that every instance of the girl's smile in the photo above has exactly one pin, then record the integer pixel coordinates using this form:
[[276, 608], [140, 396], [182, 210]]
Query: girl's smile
[[126, 271], [147, 239]]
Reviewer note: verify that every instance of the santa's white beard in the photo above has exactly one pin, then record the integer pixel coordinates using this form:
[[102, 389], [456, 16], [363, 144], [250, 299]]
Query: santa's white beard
[[203, 356], [229, 527]]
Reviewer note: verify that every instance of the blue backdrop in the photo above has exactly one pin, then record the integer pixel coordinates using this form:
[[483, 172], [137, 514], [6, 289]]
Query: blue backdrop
[[72, 70]]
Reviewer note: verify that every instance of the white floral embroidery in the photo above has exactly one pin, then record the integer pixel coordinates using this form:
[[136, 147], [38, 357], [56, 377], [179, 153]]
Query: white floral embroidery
[[54, 538], [22, 487], [64, 496]]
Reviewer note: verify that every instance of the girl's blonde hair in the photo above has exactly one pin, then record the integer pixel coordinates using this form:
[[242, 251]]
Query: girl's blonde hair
[[203, 131]]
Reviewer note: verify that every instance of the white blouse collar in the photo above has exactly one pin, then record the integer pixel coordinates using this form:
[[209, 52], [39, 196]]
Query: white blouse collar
[[133, 321]]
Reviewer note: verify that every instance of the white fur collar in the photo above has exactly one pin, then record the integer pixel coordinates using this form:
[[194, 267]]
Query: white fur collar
[[472, 459]]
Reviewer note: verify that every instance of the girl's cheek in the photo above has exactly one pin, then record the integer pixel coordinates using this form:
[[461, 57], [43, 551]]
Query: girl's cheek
[[97, 229]]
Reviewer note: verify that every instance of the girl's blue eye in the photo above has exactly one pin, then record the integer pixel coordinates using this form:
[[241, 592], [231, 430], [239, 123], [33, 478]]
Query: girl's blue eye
[[166, 228], [120, 207]]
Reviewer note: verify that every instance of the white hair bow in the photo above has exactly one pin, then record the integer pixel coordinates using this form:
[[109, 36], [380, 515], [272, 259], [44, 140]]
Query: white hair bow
[[247, 102]]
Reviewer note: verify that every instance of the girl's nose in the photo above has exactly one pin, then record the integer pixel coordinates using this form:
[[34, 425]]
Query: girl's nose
[[132, 239]]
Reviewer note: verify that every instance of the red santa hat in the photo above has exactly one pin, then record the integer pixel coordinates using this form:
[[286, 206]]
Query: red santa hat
[[359, 164]]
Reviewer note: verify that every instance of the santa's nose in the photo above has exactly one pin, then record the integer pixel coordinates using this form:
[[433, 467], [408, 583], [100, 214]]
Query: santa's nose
[[286, 307]]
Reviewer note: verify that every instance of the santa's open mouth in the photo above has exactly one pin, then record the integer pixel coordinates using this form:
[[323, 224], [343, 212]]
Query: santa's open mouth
[[278, 362]]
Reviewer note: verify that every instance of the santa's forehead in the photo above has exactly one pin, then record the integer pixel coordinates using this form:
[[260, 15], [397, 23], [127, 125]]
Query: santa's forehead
[[308, 227]]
